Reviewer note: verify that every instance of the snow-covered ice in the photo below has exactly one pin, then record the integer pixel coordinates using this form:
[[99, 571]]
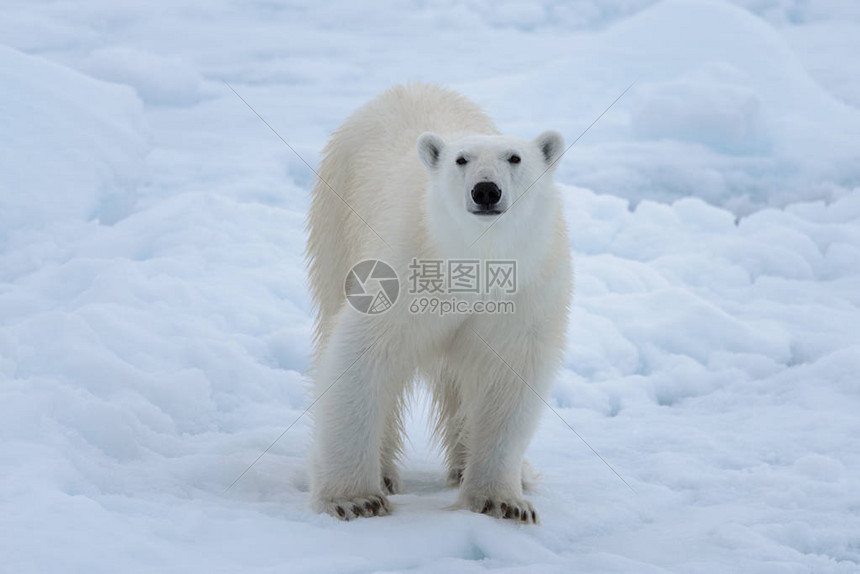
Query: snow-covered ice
[[155, 321]]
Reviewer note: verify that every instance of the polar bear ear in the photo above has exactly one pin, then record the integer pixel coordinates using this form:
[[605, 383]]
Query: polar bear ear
[[551, 145], [430, 148]]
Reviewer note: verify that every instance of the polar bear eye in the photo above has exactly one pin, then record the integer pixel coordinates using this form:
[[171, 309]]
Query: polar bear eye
[[462, 161], [514, 159]]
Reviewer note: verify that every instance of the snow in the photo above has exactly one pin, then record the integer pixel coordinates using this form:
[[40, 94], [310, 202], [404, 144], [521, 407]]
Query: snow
[[155, 320]]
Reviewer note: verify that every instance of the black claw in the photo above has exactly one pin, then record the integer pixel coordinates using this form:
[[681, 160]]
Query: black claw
[[488, 506], [340, 511], [534, 517], [368, 507], [356, 510], [375, 504], [525, 516], [509, 512], [388, 484], [517, 513]]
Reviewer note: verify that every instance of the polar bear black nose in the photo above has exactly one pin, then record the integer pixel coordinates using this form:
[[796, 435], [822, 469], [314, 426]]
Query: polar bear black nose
[[486, 193]]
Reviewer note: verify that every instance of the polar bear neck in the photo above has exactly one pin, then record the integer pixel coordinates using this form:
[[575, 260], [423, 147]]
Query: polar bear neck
[[530, 241]]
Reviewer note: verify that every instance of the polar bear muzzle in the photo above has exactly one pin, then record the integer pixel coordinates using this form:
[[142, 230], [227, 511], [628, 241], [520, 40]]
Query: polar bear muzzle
[[486, 196]]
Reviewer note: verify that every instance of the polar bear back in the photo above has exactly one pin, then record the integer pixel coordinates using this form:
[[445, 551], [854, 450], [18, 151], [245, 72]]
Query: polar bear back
[[373, 183]]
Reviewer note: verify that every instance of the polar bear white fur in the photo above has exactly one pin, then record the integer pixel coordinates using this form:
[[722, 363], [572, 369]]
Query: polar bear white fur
[[398, 183]]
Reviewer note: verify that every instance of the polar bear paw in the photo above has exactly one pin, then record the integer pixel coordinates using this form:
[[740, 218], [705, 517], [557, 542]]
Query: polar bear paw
[[504, 507], [455, 478], [391, 483], [357, 507]]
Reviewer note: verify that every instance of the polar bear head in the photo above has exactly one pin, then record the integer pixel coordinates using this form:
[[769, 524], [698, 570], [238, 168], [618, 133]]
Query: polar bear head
[[474, 180]]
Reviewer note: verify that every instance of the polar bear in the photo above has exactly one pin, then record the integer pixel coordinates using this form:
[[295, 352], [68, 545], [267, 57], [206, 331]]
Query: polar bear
[[421, 173]]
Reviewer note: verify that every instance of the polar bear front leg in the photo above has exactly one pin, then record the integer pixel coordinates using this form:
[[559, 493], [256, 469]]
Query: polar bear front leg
[[502, 415], [392, 446], [358, 381]]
